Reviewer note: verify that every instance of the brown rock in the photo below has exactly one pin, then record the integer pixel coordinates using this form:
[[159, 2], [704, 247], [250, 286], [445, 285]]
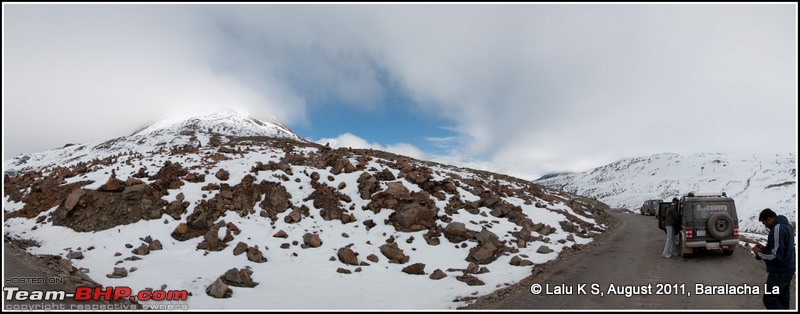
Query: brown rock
[[181, 229], [312, 240], [544, 250], [472, 268], [415, 269], [239, 278], [73, 198], [470, 280], [66, 265], [347, 256], [142, 250], [281, 234], [119, 272], [483, 254], [222, 175], [219, 290], [133, 181], [517, 261], [155, 245], [457, 232], [212, 238], [372, 258], [233, 228], [240, 248], [437, 274], [255, 255], [113, 185], [394, 253]]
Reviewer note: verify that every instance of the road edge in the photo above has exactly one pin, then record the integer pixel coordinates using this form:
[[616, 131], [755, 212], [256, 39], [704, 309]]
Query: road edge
[[542, 272]]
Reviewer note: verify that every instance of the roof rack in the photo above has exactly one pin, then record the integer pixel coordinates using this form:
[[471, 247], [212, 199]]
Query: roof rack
[[693, 194]]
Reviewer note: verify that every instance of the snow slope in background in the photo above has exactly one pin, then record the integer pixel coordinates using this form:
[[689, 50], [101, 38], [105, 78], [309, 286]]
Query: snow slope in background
[[754, 182]]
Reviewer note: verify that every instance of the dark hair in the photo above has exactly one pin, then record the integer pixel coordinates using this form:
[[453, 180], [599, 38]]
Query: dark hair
[[675, 200], [766, 213]]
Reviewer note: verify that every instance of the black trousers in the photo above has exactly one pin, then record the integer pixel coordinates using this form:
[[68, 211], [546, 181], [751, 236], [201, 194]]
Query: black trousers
[[780, 301]]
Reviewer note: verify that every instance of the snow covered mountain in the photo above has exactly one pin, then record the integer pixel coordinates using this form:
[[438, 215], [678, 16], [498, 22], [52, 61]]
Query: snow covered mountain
[[755, 182], [197, 130], [244, 214]]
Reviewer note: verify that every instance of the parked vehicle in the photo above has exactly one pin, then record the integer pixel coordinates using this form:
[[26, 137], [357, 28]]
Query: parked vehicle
[[649, 207], [708, 222]]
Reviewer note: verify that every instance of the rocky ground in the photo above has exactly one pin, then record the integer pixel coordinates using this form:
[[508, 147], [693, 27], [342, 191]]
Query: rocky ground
[[540, 274], [17, 263], [53, 266], [252, 189]]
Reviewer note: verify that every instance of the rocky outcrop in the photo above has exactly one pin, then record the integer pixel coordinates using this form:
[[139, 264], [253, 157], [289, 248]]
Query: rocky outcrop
[[241, 199], [367, 185], [73, 198], [488, 249], [168, 177], [419, 214], [96, 210], [327, 200], [113, 185], [457, 232]]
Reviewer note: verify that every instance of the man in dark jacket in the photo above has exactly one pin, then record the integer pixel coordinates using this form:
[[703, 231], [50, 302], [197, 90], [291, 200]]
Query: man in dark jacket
[[779, 256], [670, 219]]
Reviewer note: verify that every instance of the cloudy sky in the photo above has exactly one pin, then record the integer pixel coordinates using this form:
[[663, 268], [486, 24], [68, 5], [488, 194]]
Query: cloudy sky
[[523, 89]]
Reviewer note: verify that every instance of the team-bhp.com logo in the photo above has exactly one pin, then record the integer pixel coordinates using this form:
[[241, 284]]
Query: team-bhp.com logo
[[85, 293]]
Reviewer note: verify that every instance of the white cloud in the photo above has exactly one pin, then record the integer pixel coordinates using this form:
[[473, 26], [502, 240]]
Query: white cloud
[[353, 141], [530, 88]]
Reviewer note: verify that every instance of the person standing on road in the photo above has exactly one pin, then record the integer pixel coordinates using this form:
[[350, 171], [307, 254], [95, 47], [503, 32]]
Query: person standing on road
[[669, 222], [779, 256]]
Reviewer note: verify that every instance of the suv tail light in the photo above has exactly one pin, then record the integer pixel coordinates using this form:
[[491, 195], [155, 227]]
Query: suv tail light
[[735, 231], [690, 232]]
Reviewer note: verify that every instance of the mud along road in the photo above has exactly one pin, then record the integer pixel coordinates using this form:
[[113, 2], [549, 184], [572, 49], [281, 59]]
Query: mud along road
[[629, 259]]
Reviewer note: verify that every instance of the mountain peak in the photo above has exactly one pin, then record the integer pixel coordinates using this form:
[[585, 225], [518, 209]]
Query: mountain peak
[[203, 129], [229, 122]]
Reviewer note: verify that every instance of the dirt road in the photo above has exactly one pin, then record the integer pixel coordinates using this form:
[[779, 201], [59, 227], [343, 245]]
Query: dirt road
[[627, 272]]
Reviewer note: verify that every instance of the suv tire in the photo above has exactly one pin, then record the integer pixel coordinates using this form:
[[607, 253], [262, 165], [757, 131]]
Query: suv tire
[[720, 225]]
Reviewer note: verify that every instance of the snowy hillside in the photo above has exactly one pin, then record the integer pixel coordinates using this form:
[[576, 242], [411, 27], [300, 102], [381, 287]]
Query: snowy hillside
[[158, 137], [305, 226], [755, 182]]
